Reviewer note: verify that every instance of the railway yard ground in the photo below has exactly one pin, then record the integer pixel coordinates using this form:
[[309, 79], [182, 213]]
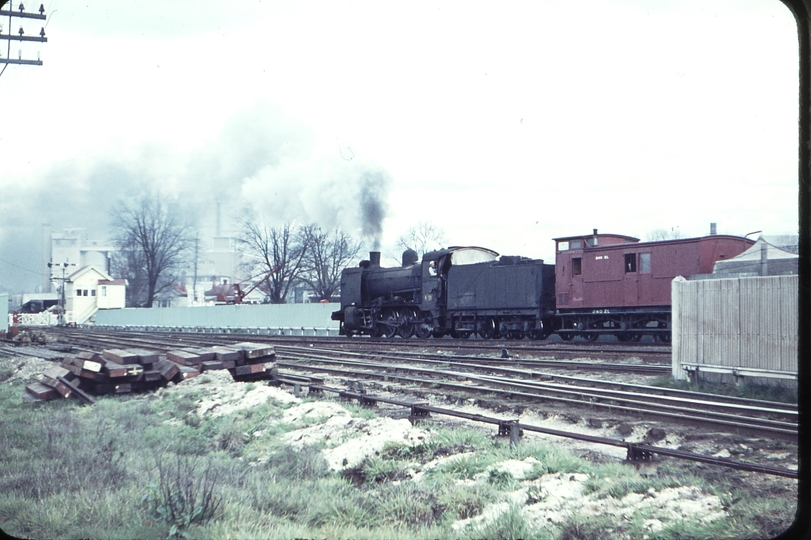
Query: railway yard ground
[[360, 438]]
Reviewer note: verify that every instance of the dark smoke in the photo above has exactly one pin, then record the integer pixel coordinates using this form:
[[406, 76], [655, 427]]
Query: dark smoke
[[260, 157], [374, 187]]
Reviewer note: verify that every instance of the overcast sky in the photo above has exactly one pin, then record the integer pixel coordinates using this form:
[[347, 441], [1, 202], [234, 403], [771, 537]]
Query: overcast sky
[[505, 126]]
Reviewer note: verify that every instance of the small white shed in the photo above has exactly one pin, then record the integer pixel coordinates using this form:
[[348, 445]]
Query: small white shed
[[89, 289]]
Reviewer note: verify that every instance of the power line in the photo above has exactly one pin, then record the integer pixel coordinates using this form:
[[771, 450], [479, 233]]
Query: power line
[[22, 268]]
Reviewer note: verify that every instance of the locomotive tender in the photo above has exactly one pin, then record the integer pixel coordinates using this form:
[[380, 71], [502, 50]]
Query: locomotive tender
[[600, 284]]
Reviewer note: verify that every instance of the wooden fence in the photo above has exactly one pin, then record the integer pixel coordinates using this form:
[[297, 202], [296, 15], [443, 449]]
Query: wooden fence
[[743, 327]]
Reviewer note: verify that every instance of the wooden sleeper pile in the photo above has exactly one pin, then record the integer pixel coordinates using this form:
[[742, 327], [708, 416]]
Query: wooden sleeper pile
[[121, 371]]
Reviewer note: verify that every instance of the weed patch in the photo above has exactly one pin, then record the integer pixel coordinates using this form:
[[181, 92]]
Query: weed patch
[[509, 525], [185, 492], [463, 502], [377, 469], [502, 480]]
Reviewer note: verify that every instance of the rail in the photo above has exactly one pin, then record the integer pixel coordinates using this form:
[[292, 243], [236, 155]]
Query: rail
[[636, 452]]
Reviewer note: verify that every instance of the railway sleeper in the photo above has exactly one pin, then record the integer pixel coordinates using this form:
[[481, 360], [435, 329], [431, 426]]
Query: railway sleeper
[[638, 454], [419, 412], [367, 401], [506, 427]]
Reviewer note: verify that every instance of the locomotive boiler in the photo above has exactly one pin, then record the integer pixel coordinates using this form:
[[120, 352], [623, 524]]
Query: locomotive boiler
[[459, 291]]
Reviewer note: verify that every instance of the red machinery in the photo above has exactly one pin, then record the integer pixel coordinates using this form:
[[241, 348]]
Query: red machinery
[[239, 294]]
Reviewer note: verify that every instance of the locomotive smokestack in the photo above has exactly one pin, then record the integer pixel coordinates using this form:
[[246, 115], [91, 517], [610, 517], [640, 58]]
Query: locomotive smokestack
[[594, 238], [713, 229], [374, 258]]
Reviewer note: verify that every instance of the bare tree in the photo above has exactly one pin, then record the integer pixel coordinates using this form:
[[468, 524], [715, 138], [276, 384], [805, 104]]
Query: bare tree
[[128, 263], [328, 254], [664, 234], [153, 239], [422, 238], [277, 251]]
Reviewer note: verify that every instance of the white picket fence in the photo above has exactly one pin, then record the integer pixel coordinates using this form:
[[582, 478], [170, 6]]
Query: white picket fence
[[33, 319]]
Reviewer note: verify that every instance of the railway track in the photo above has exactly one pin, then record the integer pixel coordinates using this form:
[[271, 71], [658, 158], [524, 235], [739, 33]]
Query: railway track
[[512, 379], [643, 353], [736, 415], [159, 341], [526, 380]]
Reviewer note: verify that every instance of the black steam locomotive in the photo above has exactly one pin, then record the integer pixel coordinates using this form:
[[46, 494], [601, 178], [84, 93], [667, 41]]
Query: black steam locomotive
[[457, 291]]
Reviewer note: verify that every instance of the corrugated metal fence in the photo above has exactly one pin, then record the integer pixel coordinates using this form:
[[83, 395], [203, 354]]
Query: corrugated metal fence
[[4, 315], [247, 316], [737, 326]]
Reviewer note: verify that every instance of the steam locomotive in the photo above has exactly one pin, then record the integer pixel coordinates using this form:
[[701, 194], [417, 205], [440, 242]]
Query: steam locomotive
[[600, 284]]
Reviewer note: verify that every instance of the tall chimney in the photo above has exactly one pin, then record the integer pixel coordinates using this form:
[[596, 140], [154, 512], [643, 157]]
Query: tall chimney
[[374, 258], [47, 255], [713, 229]]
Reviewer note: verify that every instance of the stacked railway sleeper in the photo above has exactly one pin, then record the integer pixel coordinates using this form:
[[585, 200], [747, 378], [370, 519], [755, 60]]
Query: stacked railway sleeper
[[121, 371]]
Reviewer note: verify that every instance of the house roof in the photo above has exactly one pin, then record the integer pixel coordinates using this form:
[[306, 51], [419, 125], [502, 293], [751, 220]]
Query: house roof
[[777, 261], [772, 252], [119, 281], [85, 269]]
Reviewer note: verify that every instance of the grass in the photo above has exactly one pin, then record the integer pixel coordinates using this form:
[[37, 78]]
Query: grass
[[150, 467], [511, 525], [618, 480]]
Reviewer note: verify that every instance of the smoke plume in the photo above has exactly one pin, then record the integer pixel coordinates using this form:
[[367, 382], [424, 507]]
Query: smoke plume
[[374, 187], [261, 158]]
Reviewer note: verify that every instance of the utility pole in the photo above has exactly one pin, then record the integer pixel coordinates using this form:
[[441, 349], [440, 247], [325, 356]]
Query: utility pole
[[20, 36], [196, 258], [61, 314]]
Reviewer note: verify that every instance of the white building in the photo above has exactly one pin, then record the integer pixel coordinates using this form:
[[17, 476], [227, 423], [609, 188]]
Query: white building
[[71, 249], [89, 289]]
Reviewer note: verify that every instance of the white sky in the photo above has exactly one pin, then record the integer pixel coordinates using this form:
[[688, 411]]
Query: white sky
[[503, 126]]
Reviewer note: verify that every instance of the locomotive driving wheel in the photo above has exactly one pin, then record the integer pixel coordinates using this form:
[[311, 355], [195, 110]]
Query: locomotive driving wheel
[[406, 328], [423, 329], [389, 323]]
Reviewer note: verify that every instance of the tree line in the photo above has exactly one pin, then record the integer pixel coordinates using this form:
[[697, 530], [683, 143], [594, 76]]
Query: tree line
[[155, 243]]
